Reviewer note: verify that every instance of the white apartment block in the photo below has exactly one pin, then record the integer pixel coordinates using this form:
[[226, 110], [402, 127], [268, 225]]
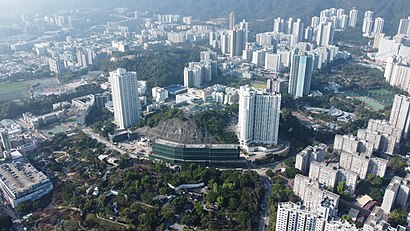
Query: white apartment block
[[387, 49], [396, 193], [377, 166], [309, 154], [378, 26], [355, 162], [400, 113], [272, 62], [404, 27], [291, 216], [259, 113], [159, 94], [312, 196], [363, 164], [350, 178], [124, 87], [330, 175], [367, 27], [383, 135], [397, 74], [325, 34], [199, 73], [352, 144], [324, 174], [353, 17]]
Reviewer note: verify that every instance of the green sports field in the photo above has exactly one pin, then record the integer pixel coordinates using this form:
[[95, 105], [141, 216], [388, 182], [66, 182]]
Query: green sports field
[[13, 90], [259, 85], [376, 99], [370, 102], [18, 90]]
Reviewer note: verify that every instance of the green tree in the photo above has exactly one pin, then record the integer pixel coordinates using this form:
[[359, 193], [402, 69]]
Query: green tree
[[220, 200], [376, 194], [341, 187], [233, 203], [5, 223], [291, 172], [290, 162], [397, 164], [150, 218], [346, 218], [397, 217]]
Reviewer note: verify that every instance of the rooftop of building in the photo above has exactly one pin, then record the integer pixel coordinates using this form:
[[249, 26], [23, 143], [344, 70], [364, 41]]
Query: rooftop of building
[[291, 205], [362, 155], [20, 176], [216, 146], [249, 90], [9, 124], [175, 89], [179, 131], [377, 219], [84, 100]]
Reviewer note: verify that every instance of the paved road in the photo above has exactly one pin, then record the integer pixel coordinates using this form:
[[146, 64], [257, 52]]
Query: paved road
[[264, 213], [111, 221], [4, 208], [92, 134]]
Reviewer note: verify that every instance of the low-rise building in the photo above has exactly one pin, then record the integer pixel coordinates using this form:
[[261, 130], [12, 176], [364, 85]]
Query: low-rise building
[[35, 122], [83, 105], [159, 94], [21, 182], [376, 221]]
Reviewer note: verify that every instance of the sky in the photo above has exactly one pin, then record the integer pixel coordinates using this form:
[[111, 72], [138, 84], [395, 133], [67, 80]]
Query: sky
[[16, 7]]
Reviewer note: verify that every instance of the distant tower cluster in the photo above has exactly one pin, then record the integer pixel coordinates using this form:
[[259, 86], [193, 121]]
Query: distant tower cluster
[[353, 17], [367, 23], [378, 26], [233, 40], [125, 98], [404, 27], [199, 73], [232, 21], [237, 39], [258, 116], [372, 27], [325, 34]]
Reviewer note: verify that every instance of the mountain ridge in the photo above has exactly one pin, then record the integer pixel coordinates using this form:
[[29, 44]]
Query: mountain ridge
[[391, 11]]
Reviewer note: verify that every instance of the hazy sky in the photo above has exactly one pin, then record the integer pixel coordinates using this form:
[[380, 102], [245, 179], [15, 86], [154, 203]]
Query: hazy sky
[[13, 7]]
